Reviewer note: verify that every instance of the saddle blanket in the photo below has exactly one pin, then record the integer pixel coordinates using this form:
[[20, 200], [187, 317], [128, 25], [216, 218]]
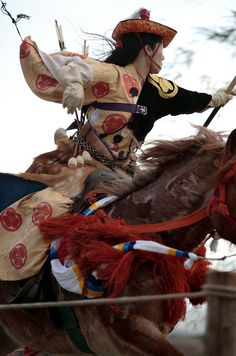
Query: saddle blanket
[[23, 250]]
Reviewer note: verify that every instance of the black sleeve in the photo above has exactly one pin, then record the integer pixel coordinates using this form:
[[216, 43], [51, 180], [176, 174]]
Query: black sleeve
[[176, 102], [183, 102]]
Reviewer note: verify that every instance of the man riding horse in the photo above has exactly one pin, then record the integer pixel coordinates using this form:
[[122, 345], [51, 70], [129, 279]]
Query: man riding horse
[[120, 99]]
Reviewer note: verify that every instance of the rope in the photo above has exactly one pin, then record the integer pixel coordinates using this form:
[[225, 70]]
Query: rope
[[14, 21], [168, 225], [102, 301], [208, 290], [100, 157]]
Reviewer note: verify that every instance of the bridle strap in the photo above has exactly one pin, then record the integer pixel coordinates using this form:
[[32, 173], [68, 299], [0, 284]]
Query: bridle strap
[[219, 206], [168, 225], [215, 206]]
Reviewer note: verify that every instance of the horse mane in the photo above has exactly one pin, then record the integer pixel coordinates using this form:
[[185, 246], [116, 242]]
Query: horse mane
[[158, 154]]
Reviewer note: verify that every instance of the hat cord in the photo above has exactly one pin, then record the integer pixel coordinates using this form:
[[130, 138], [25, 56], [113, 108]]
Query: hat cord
[[150, 57]]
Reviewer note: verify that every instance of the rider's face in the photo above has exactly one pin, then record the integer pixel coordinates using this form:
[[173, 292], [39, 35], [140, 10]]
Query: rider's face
[[157, 59]]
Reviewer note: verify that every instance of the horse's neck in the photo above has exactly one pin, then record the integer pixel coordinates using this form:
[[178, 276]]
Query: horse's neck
[[179, 191]]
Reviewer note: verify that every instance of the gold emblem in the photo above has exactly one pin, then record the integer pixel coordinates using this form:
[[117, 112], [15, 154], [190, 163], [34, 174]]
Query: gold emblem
[[165, 88]]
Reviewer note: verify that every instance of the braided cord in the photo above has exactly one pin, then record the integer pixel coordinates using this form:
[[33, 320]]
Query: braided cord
[[99, 156]]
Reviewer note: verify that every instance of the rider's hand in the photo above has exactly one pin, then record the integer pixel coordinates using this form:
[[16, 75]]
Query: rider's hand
[[73, 97], [221, 98]]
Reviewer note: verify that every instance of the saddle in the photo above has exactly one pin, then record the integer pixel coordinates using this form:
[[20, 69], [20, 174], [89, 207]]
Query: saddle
[[13, 188]]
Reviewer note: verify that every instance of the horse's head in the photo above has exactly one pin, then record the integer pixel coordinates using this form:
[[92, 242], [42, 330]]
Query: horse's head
[[223, 206]]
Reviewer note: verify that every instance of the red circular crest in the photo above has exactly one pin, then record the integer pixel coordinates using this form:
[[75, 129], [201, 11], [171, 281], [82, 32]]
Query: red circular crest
[[130, 82], [44, 82], [25, 49], [113, 122], [18, 256], [41, 212], [100, 89], [10, 220]]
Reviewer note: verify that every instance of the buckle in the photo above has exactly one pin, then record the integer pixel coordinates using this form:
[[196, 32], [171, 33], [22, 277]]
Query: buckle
[[141, 109]]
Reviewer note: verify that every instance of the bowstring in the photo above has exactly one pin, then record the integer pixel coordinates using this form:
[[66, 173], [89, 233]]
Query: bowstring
[[14, 20]]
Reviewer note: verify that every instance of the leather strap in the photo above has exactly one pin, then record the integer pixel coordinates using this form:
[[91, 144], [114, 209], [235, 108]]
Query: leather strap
[[71, 326]]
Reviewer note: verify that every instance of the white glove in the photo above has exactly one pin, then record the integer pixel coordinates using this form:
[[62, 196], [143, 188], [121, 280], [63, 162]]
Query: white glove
[[221, 98], [73, 97]]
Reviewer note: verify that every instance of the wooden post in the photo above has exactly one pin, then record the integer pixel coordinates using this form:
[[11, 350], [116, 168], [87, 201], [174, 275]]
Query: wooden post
[[221, 316]]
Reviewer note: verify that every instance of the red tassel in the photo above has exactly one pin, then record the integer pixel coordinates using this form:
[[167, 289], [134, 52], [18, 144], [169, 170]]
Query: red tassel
[[145, 14], [89, 242]]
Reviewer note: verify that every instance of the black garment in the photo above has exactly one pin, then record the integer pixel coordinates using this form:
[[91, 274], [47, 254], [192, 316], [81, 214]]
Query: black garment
[[182, 102]]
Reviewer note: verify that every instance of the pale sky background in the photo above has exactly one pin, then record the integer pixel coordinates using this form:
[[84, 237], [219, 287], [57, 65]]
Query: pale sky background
[[28, 123]]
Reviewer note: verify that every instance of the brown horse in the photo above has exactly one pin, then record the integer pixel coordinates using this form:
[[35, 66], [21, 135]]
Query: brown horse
[[176, 179]]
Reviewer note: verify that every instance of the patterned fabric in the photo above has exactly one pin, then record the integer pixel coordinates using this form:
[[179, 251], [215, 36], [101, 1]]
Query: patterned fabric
[[13, 188], [23, 250], [110, 83]]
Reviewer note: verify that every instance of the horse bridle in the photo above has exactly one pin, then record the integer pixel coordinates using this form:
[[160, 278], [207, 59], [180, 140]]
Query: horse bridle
[[215, 206], [219, 205]]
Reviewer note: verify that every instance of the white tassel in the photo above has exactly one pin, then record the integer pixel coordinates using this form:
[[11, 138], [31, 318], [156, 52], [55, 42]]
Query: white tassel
[[87, 157], [72, 163], [80, 161], [189, 262]]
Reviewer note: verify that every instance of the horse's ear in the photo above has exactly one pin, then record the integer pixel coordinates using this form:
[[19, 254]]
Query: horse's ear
[[230, 147]]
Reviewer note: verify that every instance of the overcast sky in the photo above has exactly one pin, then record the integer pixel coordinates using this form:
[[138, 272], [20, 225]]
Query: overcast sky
[[28, 123]]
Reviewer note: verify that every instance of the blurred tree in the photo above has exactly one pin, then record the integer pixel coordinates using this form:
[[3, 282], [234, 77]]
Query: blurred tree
[[224, 35]]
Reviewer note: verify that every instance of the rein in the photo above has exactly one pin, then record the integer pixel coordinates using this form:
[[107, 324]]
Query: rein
[[169, 225], [215, 206]]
